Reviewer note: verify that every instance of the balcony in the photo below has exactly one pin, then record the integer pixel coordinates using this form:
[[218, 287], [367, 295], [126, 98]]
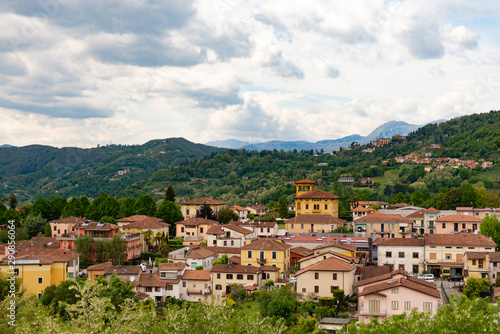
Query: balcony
[[199, 292], [432, 225], [373, 313], [404, 231]]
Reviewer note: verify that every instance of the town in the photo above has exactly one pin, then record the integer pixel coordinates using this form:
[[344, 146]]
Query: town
[[389, 260]]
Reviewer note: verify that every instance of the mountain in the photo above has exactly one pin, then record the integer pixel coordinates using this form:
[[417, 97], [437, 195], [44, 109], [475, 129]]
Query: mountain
[[389, 129], [5, 146], [229, 143], [36, 170]]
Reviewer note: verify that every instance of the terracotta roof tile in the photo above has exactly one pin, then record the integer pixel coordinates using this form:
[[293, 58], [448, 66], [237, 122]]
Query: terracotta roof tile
[[373, 271], [432, 210], [304, 181], [100, 266], [378, 217], [417, 214], [343, 257], [197, 221], [267, 244], [69, 220], [200, 275], [200, 253], [143, 222], [459, 239], [122, 270], [223, 250], [330, 264], [317, 194], [311, 218], [269, 268], [302, 251], [413, 285], [378, 278], [234, 259], [495, 257], [89, 225], [219, 229], [171, 266], [475, 255], [256, 223], [361, 209], [152, 280], [459, 218], [141, 295], [339, 245]]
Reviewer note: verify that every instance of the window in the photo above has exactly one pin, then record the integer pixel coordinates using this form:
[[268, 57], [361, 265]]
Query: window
[[494, 264], [303, 290], [16, 272], [316, 288], [40, 280], [182, 229], [415, 255], [326, 207], [334, 276], [407, 306], [448, 247], [292, 226], [316, 206], [187, 212], [225, 243], [239, 276], [249, 264], [307, 206], [268, 230], [149, 289], [471, 247], [250, 277], [274, 255], [395, 290], [374, 306], [333, 288], [229, 276], [301, 226], [249, 254], [395, 305], [58, 231], [473, 262], [463, 225], [157, 289], [447, 256], [201, 229], [432, 256], [401, 254], [163, 274], [401, 267], [55, 228], [316, 275], [388, 254], [218, 287], [218, 276], [184, 284], [427, 307], [170, 287]]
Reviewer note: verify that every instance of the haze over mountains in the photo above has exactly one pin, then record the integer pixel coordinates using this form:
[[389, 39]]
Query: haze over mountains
[[386, 130]]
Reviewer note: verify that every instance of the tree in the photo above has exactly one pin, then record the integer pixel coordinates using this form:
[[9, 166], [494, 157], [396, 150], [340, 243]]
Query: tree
[[12, 201], [47, 231], [127, 207], [222, 260], [73, 208], [57, 203], [269, 283], [148, 238], [12, 214], [43, 207], [83, 245], [206, 212], [227, 215], [282, 208], [34, 225], [171, 214], [279, 302], [399, 198], [469, 196], [306, 325], [118, 291], [59, 297], [5, 285], [145, 205], [103, 206], [475, 286], [115, 249], [170, 194], [490, 227], [237, 292]]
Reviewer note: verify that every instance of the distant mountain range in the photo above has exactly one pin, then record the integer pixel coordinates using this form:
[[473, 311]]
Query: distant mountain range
[[5, 146], [386, 130]]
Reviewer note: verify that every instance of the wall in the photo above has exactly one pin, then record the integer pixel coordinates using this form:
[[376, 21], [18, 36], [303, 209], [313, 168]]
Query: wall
[[307, 281]]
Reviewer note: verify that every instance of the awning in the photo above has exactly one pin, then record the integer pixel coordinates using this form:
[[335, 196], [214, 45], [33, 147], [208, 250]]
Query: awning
[[250, 288]]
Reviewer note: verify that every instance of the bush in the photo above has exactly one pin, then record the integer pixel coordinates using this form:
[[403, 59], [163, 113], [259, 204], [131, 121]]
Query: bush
[[255, 294], [445, 276], [343, 315], [327, 301], [497, 282], [199, 268], [160, 260], [230, 303], [146, 256]]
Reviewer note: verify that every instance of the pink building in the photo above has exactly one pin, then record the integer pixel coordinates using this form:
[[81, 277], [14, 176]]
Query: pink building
[[457, 223], [65, 225]]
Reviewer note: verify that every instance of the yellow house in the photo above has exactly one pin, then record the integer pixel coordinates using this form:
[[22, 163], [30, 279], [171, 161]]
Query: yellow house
[[223, 275], [268, 252], [140, 224], [476, 264], [344, 249], [192, 207], [313, 223], [315, 201], [194, 230], [47, 267]]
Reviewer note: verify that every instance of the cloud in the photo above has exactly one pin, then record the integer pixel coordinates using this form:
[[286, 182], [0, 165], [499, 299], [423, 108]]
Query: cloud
[[211, 98], [284, 67]]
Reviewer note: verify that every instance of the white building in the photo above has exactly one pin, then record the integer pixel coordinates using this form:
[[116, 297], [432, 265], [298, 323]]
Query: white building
[[398, 253], [229, 235]]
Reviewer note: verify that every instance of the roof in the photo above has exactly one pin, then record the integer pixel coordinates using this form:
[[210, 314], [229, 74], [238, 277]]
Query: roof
[[497, 292], [336, 321], [412, 242], [305, 181], [90, 225], [197, 221], [234, 259], [45, 255], [269, 268], [223, 250], [416, 214], [238, 208], [38, 242], [317, 193], [372, 203], [122, 270], [330, 264], [362, 209], [100, 266], [410, 284], [475, 255], [459, 239], [200, 275], [378, 217], [495, 257], [381, 277], [69, 220], [342, 256], [143, 222], [141, 295], [171, 266], [259, 207], [339, 245], [199, 253], [431, 210], [234, 268], [302, 251], [151, 279], [267, 244], [256, 223], [459, 218], [219, 229], [310, 218], [373, 271], [203, 200]]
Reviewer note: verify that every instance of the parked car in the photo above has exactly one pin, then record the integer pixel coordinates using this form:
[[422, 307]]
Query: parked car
[[456, 278], [427, 277]]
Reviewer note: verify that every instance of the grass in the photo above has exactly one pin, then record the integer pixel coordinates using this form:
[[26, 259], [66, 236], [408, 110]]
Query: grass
[[281, 225], [254, 306]]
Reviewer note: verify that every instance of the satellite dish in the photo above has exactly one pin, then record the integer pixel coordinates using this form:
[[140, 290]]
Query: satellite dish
[[132, 278]]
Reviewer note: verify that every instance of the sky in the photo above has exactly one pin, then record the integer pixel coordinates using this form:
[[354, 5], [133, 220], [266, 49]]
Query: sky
[[88, 72]]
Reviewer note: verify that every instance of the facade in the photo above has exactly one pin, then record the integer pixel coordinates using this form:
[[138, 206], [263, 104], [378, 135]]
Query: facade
[[476, 265], [269, 252], [368, 204], [229, 235], [480, 213], [191, 208], [457, 223], [198, 285], [494, 267], [315, 258], [98, 270], [344, 249], [444, 253], [258, 209], [298, 253], [150, 284], [194, 230], [383, 225], [171, 275], [404, 254], [326, 276], [261, 229], [317, 202], [140, 224], [418, 222], [313, 223], [430, 217], [360, 212], [66, 225], [241, 212], [223, 275], [199, 256]]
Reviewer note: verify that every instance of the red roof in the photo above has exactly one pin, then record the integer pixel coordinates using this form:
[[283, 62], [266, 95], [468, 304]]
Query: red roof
[[412, 242], [267, 244], [317, 194], [339, 245], [197, 221], [459, 218], [330, 264], [234, 268], [220, 229], [410, 284], [459, 239], [304, 182], [432, 210], [201, 275]]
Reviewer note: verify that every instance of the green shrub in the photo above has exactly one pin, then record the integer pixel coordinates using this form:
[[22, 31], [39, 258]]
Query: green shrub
[[199, 268], [343, 315], [160, 260], [327, 301], [255, 294], [230, 303]]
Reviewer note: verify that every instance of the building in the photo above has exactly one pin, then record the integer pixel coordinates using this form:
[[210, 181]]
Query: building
[[198, 285], [381, 142], [312, 241], [430, 217], [199, 256], [140, 224], [418, 228], [318, 257], [383, 225], [130, 273], [477, 265], [151, 285], [65, 226], [40, 267], [478, 212], [494, 267], [258, 209], [229, 235], [444, 253], [261, 229], [361, 212], [194, 230], [326, 276], [457, 223], [266, 251], [314, 201], [368, 204], [298, 253], [241, 212], [96, 270], [191, 208], [313, 223], [347, 180], [171, 275], [223, 275], [345, 249], [404, 254]]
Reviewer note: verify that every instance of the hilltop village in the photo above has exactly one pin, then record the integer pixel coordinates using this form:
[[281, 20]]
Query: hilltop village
[[386, 261]]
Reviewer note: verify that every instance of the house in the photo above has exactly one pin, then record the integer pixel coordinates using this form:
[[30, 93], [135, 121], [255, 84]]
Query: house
[[476, 265], [223, 275], [298, 253], [229, 235], [383, 225], [198, 285], [487, 164], [335, 325], [258, 209], [368, 204], [122, 271], [40, 267], [171, 275], [345, 249], [199, 256], [318, 257], [326, 276], [477, 212], [266, 251], [229, 251], [347, 180], [96, 270], [100, 231], [381, 142], [397, 296], [191, 208], [365, 181], [430, 216], [361, 212], [261, 229], [240, 211], [494, 268], [404, 254], [66, 225], [418, 227], [194, 230], [314, 201], [457, 223], [312, 241], [140, 224], [444, 253], [313, 223], [151, 284]]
